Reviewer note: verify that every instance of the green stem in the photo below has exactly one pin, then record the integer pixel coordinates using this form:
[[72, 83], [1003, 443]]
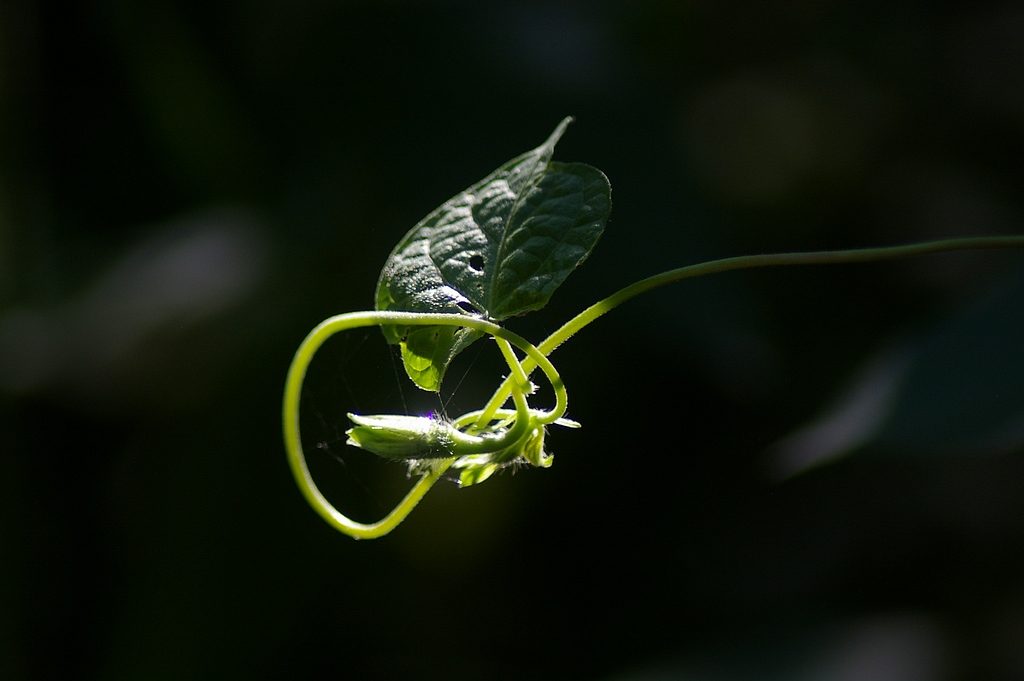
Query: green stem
[[517, 381], [574, 325], [354, 320], [472, 444], [513, 364]]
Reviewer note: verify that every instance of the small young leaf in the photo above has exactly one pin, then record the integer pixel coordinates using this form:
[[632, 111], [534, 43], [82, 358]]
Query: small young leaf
[[498, 249], [427, 351]]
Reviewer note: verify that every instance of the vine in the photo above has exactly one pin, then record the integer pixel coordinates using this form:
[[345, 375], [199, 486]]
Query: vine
[[496, 250]]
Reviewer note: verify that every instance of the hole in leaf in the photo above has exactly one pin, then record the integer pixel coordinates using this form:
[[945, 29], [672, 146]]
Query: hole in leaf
[[477, 263], [468, 307]]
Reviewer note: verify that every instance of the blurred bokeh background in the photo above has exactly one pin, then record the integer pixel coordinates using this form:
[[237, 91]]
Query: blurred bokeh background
[[790, 474]]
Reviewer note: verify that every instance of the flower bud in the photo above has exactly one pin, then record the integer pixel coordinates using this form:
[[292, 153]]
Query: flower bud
[[395, 436]]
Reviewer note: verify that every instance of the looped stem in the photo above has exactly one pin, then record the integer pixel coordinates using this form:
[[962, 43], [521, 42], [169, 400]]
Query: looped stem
[[517, 384], [354, 320]]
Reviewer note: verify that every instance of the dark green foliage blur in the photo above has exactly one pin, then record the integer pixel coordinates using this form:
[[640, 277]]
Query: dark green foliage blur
[[790, 474]]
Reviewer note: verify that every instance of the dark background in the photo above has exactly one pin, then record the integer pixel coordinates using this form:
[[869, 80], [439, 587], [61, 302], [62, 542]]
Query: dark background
[[187, 188]]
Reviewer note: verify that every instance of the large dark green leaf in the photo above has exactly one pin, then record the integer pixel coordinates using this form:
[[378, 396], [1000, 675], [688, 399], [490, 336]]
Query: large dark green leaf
[[498, 249]]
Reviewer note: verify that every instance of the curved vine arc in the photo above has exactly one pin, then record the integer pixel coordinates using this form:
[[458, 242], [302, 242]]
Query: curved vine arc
[[536, 356], [354, 320]]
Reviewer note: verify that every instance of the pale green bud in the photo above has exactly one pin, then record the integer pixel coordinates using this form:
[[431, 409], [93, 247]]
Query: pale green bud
[[394, 436]]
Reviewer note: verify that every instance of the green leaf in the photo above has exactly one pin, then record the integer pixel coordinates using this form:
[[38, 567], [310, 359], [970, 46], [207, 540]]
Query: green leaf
[[427, 351], [498, 249], [477, 473]]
